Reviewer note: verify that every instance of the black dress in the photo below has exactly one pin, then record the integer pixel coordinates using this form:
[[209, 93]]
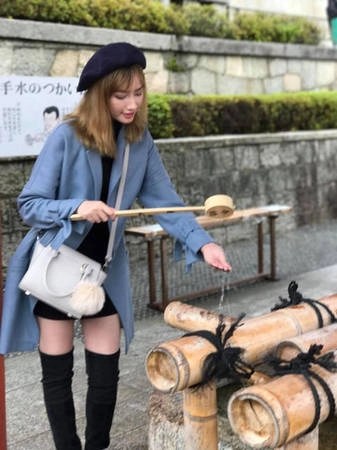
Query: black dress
[[94, 246]]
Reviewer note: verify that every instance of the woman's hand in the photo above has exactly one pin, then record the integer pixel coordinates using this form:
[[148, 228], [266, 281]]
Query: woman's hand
[[215, 256], [96, 211]]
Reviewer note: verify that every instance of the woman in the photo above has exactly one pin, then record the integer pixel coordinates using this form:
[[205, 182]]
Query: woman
[[78, 171]]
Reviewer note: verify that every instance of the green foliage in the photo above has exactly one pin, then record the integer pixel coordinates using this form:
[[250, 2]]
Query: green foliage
[[306, 33], [78, 12], [75, 12], [176, 20], [160, 116], [206, 21], [152, 16], [132, 15], [302, 111], [253, 27], [181, 116], [147, 15], [174, 66], [275, 28], [100, 13], [209, 115]]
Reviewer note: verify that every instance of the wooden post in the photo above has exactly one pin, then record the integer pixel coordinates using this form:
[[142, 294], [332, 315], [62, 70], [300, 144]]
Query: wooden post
[[3, 439], [200, 418]]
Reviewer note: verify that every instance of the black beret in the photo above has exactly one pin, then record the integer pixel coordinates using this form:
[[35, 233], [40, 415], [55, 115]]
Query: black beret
[[107, 59]]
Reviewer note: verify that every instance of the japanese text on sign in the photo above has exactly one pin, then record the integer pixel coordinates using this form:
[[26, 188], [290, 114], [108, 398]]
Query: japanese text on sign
[[30, 107]]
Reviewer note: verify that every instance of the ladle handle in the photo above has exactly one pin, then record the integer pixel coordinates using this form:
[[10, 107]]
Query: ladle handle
[[148, 211]]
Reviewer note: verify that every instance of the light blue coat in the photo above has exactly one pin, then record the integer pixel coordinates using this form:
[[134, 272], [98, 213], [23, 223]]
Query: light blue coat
[[64, 175]]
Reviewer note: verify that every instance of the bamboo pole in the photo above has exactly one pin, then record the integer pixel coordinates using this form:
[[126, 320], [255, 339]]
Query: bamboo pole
[[280, 411], [191, 318], [258, 336], [200, 418], [326, 336]]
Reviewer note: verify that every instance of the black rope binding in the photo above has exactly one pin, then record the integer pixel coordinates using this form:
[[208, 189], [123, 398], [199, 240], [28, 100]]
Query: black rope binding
[[224, 362], [296, 298], [301, 365]]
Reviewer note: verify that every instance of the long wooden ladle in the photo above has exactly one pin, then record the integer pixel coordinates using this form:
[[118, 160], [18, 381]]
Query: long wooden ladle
[[215, 206]]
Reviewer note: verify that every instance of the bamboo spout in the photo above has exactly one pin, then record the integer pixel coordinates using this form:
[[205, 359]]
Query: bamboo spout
[[280, 411], [327, 337], [191, 318], [175, 365]]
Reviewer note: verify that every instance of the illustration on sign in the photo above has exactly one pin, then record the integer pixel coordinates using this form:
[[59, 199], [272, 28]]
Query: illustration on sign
[[51, 117], [30, 108]]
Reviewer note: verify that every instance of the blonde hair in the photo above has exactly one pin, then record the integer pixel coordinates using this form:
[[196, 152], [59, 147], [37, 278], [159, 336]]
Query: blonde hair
[[92, 120]]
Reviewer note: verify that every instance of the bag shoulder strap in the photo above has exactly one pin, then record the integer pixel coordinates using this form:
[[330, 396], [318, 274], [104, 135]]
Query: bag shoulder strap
[[120, 192]]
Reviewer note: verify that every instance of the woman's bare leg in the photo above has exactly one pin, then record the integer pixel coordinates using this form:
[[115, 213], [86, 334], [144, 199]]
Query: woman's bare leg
[[102, 335], [56, 336]]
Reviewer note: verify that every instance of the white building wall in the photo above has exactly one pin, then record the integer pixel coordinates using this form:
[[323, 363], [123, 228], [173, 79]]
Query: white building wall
[[308, 8]]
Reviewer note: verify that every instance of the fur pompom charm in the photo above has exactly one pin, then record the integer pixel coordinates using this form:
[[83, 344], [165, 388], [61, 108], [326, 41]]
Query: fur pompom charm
[[87, 298]]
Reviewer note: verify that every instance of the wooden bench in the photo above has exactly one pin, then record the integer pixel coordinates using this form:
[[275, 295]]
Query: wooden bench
[[151, 233]]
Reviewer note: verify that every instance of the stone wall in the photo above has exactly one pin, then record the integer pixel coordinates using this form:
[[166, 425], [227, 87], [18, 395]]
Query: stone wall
[[297, 169], [209, 66]]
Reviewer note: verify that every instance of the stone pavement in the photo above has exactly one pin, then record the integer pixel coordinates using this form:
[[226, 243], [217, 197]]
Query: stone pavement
[[307, 255]]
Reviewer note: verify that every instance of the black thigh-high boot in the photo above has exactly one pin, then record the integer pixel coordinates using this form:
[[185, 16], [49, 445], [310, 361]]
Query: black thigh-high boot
[[102, 371], [57, 372]]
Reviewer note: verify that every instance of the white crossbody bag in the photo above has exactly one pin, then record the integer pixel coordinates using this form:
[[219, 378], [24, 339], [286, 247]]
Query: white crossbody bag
[[65, 278]]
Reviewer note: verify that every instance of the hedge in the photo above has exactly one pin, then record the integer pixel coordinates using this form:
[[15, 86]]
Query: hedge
[[152, 16], [182, 116]]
